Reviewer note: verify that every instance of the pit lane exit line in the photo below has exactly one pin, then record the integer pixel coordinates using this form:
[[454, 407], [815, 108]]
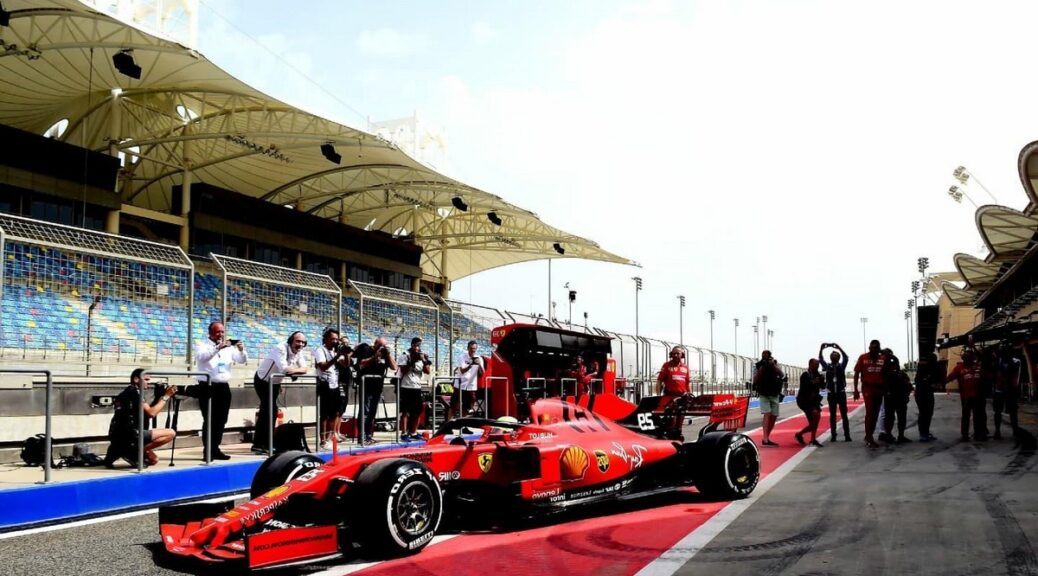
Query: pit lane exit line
[[678, 555]]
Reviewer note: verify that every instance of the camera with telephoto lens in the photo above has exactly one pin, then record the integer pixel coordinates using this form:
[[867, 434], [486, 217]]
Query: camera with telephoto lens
[[182, 392], [343, 348]]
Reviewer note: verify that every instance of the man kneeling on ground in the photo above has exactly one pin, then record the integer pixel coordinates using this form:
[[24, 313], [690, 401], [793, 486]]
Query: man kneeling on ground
[[122, 432]]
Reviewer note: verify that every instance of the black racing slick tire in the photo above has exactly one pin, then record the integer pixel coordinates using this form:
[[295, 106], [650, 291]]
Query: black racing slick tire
[[281, 468], [727, 465], [401, 505]]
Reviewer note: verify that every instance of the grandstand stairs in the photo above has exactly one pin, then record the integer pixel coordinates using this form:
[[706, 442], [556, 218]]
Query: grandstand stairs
[[115, 327]]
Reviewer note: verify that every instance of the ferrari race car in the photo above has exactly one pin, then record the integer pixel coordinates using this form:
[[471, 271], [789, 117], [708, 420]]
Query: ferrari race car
[[392, 502]]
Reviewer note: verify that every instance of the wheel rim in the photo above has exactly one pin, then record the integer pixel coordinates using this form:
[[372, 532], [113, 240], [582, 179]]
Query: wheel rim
[[743, 467], [414, 508]]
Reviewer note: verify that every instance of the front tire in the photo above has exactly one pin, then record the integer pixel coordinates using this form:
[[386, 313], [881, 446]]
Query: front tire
[[402, 506], [281, 468], [727, 465]]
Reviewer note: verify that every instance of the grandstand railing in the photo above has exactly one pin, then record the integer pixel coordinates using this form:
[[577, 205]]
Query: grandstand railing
[[52, 275], [397, 314], [270, 302], [465, 322]]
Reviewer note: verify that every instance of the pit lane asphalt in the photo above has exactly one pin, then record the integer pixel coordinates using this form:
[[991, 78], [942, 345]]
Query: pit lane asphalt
[[925, 508]]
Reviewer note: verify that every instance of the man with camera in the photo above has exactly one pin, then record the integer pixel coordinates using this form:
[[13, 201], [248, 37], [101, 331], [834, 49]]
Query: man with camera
[[414, 365], [767, 381], [215, 356], [469, 370], [836, 384], [122, 432], [372, 363], [288, 359], [334, 355]]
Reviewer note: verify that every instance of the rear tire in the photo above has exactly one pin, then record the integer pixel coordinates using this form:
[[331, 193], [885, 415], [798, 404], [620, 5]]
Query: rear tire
[[727, 465], [281, 468], [401, 505]]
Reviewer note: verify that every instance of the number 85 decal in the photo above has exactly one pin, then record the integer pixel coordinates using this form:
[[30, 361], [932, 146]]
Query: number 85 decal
[[645, 421]]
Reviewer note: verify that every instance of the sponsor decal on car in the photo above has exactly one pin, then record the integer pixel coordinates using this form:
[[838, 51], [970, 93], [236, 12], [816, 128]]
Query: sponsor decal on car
[[448, 475], [540, 435], [425, 457], [541, 495], [573, 463], [633, 457], [420, 541], [614, 488], [275, 492], [485, 461], [602, 459]]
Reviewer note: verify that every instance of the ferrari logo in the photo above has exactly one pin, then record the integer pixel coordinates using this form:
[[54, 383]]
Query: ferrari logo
[[485, 461], [602, 459]]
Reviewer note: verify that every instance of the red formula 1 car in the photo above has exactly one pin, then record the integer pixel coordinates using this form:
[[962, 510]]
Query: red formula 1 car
[[392, 502]]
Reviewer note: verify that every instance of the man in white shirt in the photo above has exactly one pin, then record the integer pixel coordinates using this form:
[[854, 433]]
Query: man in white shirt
[[329, 358], [414, 365], [215, 356], [469, 369], [286, 358]]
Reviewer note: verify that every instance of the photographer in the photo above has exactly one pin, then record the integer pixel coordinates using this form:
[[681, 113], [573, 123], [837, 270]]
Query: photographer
[[215, 356], [334, 355], [288, 359], [414, 365], [469, 370], [836, 384], [767, 381], [372, 360], [122, 432]]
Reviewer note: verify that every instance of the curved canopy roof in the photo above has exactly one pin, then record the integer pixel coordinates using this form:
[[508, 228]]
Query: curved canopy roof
[[959, 296], [185, 113], [977, 273], [1008, 233]]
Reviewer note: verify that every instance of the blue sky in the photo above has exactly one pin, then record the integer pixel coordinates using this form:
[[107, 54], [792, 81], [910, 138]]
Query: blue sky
[[781, 158]]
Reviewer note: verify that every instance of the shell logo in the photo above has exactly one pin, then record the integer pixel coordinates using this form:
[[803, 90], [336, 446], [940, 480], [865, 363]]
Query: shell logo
[[602, 460], [485, 461], [573, 463], [275, 492]]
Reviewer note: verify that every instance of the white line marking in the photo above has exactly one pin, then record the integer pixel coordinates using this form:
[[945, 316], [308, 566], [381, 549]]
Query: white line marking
[[672, 560], [100, 519], [358, 565]]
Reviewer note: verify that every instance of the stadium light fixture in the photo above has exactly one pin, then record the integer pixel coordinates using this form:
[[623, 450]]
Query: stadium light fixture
[[558, 248], [329, 153], [460, 204], [493, 217], [124, 63]]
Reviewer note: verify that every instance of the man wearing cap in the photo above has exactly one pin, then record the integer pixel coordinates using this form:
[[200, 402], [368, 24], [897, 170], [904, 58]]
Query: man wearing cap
[[413, 366]]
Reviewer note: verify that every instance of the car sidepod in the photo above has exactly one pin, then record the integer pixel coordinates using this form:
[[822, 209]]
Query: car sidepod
[[725, 464]]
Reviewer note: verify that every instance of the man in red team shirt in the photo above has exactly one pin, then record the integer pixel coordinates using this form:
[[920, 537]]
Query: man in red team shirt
[[869, 369], [967, 372], [674, 376]]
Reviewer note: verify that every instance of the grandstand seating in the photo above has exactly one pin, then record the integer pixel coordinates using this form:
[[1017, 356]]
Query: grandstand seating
[[48, 293]]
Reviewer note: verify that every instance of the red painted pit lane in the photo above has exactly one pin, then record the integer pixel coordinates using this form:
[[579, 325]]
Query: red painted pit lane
[[618, 544]]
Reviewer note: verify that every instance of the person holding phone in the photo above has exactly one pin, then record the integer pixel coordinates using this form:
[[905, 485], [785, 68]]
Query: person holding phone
[[469, 370], [836, 383], [215, 355]]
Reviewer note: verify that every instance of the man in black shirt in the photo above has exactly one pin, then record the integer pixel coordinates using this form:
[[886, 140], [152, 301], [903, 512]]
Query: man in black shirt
[[372, 361], [122, 432]]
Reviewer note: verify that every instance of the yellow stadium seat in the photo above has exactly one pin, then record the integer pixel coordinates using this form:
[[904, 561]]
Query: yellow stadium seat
[[61, 345], [30, 323], [120, 325], [75, 294], [73, 320], [123, 308], [68, 309], [39, 288]]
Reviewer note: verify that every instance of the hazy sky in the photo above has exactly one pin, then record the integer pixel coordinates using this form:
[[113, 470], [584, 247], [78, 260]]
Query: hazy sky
[[782, 158]]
